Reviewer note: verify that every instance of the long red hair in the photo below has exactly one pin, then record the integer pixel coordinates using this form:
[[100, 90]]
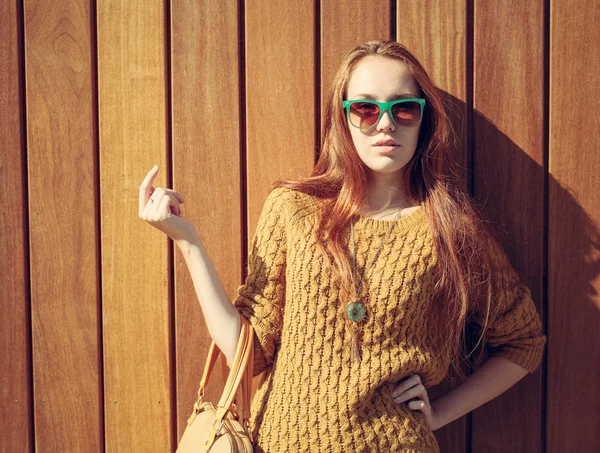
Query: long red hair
[[462, 239]]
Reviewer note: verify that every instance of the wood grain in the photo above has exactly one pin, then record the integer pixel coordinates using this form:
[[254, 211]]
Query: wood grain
[[206, 168], [508, 103], [136, 307], [435, 31], [573, 228], [15, 334], [280, 96], [345, 25], [63, 228]]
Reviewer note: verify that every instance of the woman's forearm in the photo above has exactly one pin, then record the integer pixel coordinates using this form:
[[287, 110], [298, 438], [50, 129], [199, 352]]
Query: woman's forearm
[[222, 318], [495, 376]]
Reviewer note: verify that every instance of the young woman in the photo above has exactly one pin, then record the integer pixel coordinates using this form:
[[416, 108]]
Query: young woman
[[363, 276]]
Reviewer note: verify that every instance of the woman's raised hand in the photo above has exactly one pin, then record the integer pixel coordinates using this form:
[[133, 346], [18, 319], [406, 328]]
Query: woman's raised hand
[[161, 208]]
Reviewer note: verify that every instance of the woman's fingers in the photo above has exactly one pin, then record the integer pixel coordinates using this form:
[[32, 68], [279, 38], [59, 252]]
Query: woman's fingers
[[173, 204], [416, 405], [164, 210], [161, 191], [146, 188], [411, 390], [160, 205], [176, 194], [147, 192], [414, 392], [161, 208], [407, 383]]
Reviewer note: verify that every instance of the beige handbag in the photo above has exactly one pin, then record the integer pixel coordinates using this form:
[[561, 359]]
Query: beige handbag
[[224, 428]]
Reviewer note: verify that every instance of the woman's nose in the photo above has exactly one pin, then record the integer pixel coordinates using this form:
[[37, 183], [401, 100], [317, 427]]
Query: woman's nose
[[385, 122]]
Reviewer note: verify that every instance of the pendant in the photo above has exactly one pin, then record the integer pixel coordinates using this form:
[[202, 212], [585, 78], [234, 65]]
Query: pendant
[[355, 311]]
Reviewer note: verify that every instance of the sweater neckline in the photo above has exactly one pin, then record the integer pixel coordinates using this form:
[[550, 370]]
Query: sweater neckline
[[402, 224]]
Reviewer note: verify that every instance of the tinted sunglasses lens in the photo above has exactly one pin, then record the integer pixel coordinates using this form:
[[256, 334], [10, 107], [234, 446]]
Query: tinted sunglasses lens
[[407, 113], [363, 114]]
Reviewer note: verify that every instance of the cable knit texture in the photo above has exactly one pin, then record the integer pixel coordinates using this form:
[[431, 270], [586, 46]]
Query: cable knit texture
[[314, 398]]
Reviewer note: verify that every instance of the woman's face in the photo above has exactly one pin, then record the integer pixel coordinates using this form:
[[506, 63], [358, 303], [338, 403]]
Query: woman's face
[[383, 79]]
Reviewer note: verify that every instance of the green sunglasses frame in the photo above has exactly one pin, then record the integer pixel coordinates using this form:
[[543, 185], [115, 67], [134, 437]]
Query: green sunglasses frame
[[383, 107]]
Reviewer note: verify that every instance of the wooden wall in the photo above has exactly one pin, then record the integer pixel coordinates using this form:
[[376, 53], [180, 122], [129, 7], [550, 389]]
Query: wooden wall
[[102, 340]]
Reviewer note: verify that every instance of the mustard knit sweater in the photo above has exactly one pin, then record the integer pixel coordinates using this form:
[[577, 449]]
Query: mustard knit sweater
[[314, 398]]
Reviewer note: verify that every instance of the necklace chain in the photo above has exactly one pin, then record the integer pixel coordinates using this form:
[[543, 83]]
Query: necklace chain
[[357, 292]]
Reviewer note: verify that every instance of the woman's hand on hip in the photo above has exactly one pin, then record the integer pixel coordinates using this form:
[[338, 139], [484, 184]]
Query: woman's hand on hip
[[412, 390]]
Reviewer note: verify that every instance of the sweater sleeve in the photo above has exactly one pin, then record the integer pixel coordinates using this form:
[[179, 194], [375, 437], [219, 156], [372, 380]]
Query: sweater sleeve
[[514, 328], [261, 298]]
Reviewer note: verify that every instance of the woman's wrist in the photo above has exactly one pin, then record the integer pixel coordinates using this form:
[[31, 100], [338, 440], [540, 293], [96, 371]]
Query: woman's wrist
[[438, 417], [185, 245]]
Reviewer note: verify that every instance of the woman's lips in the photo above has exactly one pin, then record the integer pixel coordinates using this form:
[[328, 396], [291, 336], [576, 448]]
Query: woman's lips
[[386, 148]]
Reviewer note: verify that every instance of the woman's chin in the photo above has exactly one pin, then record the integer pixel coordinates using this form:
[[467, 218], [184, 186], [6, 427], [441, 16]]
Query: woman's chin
[[393, 167]]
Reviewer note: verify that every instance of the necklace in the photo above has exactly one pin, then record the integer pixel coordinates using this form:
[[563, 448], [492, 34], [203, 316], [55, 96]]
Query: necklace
[[355, 311]]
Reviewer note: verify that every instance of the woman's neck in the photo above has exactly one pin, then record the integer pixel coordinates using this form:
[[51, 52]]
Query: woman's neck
[[384, 193]]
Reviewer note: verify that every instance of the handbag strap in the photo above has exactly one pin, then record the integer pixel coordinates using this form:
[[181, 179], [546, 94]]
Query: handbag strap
[[243, 403], [240, 378]]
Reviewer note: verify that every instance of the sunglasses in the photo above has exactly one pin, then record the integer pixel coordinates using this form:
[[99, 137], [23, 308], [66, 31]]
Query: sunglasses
[[364, 114]]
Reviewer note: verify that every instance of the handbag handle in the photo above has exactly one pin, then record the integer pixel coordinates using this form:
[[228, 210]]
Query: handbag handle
[[240, 373]]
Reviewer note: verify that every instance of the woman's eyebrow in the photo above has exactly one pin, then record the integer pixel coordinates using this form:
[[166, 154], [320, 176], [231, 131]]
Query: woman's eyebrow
[[394, 96]]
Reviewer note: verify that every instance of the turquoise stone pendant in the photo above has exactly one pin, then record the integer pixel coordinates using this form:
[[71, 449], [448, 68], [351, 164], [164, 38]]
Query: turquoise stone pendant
[[355, 311]]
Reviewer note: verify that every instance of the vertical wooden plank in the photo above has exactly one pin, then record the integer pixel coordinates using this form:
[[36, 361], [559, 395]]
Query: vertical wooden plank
[[64, 298], [206, 168], [280, 96], [344, 25], [15, 381], [508, 102], [573, 228], [135, 260], [438, 38]]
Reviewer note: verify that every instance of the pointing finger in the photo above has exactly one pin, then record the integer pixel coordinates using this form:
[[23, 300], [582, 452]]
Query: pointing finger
[[146, 187]]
